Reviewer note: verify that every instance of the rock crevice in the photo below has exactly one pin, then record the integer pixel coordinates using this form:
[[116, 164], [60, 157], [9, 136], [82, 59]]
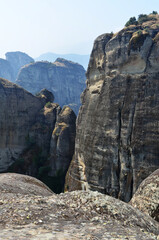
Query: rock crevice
[[117, 126]]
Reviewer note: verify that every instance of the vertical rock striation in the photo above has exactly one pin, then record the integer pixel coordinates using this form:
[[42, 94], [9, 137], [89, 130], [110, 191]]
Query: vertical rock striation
[[117, 135], [27, 124]]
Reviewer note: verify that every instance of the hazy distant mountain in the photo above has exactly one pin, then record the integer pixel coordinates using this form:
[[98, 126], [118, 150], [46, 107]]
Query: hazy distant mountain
[[17, 60], [65, 79], [51, 57]]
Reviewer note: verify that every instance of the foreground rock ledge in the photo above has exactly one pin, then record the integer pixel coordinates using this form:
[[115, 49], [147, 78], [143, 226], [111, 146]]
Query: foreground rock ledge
[[75, 215], [146, 198]]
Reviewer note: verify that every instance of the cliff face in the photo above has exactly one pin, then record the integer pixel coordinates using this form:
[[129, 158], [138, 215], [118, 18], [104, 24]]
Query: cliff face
[[26, 126], [65, 79], [17, 114], [118, 125], [17, 60], [63, 141], [6, 70]]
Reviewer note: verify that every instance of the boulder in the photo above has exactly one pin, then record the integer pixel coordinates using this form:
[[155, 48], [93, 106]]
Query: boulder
[[146, 198], [76, 215], [22, 184]]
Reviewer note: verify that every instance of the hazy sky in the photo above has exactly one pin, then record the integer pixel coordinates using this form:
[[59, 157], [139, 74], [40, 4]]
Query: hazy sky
[[63, 26]]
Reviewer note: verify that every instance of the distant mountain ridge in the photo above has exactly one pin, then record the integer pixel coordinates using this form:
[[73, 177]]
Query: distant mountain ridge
[[51, 57], [65, 79]]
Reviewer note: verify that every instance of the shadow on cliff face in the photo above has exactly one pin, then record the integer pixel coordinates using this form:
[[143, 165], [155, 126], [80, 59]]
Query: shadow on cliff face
[[37, 136], [34, 162]]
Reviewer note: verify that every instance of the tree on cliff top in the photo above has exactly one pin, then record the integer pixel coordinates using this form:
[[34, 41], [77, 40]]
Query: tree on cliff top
[[132, 21]]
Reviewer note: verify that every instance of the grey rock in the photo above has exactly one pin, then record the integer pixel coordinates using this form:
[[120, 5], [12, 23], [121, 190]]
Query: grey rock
[[146, 198], [6, 70], [117, 127], [62, 141], [76, 215], [51, 57], [26, 126], [17, 60], [65, 79], [22, 184]]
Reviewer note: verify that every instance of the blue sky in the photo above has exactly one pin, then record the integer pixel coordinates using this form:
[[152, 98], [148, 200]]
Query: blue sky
[[63, 26]]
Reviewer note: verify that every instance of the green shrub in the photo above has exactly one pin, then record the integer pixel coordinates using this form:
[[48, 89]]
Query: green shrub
[[154, 13], [132, 21], [48, 105], [137, 39], [144, 18]]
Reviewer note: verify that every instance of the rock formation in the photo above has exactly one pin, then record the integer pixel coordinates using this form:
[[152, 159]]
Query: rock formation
[[78, 58], [65, 79], [22, 184], [76, 215], [17, 60], [146, 198], [62, 144], [118, 124], [26, 126], [6, 70]]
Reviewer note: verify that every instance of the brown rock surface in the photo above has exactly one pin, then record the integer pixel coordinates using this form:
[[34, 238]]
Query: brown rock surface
[[117, 127], [22, 184], [146, 198], [76, 215]]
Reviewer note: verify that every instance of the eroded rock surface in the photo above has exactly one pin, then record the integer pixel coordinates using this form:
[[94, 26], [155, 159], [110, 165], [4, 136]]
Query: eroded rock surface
[[75, 215], [118, 124], [26, 126], [22, 184], [146, 198], [62, 141], [65, 79]]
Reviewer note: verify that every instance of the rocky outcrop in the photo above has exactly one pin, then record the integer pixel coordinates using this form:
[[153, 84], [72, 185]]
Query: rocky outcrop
[[65, 79], [22, 184], [117, 127], [146, 198], [6, 70], [17, 60], [78, 58], [76, 215], [26, 126], [62, 143]]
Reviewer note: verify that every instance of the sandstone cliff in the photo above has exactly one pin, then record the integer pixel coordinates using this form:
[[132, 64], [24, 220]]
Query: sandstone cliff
[[26, 126], [17, 60], [118, 125], [62, 145], [65, 79]]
